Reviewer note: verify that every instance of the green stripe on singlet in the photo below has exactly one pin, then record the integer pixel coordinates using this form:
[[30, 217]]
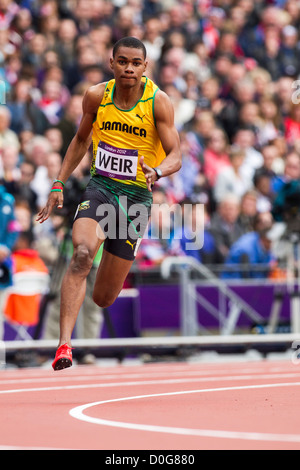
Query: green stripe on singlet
[[135, 194]]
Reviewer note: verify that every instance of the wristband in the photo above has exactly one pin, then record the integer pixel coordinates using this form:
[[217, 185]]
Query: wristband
[[57, 187], [56, 190], [58, 181]]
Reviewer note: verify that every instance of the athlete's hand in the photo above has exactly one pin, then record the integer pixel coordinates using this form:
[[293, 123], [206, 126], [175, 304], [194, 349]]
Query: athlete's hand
[[55, 199], [149, 173]]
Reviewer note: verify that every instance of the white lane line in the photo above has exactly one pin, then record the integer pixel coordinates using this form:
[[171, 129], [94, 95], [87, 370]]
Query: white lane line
[[104, 376], [78, 413], [145, 382], [6, 377], [185, 377]]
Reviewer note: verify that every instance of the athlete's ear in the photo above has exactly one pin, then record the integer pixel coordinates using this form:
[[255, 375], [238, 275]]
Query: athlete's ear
[[145, 65], [111, 62]]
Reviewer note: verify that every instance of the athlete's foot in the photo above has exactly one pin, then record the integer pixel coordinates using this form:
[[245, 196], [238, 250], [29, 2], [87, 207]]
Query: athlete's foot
[[63, 357]]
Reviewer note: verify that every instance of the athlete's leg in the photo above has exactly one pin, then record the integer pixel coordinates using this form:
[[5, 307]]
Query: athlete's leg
[[110, 279], [86, 243]]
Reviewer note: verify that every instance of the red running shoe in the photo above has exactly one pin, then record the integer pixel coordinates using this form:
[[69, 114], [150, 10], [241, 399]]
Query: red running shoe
[[63, 357]]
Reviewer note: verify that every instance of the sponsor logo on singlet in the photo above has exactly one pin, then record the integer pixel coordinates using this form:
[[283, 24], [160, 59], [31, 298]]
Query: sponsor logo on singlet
[[84, 206]]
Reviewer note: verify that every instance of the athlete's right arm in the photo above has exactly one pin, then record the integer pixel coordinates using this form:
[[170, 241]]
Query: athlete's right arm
[[77, 148]]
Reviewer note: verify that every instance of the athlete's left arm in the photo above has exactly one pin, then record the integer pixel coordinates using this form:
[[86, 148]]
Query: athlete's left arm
[[167, 132]]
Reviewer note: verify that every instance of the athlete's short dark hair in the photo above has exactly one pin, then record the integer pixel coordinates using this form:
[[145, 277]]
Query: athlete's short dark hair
[[129, 42]]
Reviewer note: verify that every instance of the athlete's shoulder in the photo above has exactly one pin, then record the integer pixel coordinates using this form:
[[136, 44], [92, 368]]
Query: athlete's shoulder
[[158, 93], [162, 105], [150, 84], [93, 97]]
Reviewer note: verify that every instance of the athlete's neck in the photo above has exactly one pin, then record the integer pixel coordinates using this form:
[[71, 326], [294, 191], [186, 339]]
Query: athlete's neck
[[126, 98]]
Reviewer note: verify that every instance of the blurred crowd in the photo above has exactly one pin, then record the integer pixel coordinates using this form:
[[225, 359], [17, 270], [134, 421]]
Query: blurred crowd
[[230, 68]]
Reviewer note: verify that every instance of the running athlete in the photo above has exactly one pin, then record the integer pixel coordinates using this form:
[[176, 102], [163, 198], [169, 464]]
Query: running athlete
[[130, 123]]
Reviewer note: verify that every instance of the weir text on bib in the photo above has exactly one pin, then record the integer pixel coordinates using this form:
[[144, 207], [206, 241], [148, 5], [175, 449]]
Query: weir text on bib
[[115, 162]]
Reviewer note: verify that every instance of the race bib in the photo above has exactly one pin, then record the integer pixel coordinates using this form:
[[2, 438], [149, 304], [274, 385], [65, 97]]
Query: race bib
[[115, 162]]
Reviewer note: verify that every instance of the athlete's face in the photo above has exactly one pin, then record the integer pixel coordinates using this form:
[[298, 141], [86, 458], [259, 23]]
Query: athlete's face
[[128, 66]]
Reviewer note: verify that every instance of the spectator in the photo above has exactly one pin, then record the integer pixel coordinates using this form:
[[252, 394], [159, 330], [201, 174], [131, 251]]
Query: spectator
[[212, 26], [287, 193], [24, 217], [50, 102], [292, 125], [153, 38], [70, 120], [199, 128], [216, 156], [248, 211], [9, 233], [272, 160], [193, 237], [249, 116], [36, 151], [86, 57], [22, 190], [251, 256], [66, 44], [262, 82], [25, 114], [34, 51], [55, 137], [24, 309], [24, 138], [222, 66], [7, 48], [244, 138], [210, 90], [268, 56], [50, 61], [48, 25], [225, 226], [291, 172], [283, 89], [235, 73], [263, 185], [7, 135], [271, 123], [10, 173], [293, 8], [228, 43], [192, 166], [230, 179], [289, 52], [22, 24], [183, 108], [46, 174]]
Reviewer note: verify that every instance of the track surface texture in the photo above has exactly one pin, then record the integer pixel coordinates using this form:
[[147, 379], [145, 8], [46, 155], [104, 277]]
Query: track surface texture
[[159, 406]]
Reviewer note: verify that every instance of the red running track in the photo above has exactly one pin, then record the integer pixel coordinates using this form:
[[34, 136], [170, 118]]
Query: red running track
[[166, 406]]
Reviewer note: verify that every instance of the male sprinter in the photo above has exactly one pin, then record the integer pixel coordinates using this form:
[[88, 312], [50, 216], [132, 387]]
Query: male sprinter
[[135, 142]]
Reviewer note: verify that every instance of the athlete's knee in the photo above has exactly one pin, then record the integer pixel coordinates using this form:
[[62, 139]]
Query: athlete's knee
[[82, 259], [103, 299]]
